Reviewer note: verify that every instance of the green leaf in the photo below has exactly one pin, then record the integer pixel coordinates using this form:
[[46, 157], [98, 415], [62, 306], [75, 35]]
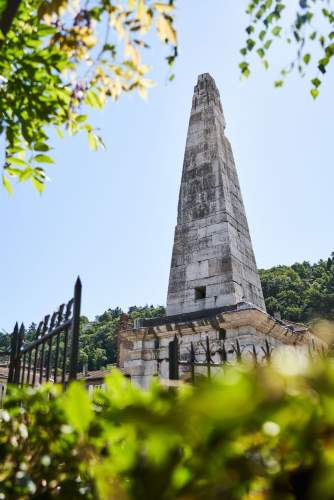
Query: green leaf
[[265, 64], [95, 141], [276, 31], [15, 149], [41, 146], [43, 159], [33, 43], [7, 185], [316, 82], [80, 118], [60, 133], [93, 100], [16, 172], [314, 93], [39, 185], [92, 141], [250, 29], [78, 407], [26, 174], [45, 30], [13, 160], [244, 66], [307, 58], [250, 44]]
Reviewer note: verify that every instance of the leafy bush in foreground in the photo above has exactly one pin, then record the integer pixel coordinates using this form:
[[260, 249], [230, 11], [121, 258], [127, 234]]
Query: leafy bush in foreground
[[247, 434]]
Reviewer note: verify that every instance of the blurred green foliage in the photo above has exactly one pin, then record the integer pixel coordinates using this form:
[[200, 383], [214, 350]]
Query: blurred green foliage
[[301, 292], [247, 434]]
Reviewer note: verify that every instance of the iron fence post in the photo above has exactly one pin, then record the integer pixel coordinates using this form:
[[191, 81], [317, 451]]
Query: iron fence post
[[13, 342], [208, 356], [173, 348], [75, 330], [17, 362], [192, 362]]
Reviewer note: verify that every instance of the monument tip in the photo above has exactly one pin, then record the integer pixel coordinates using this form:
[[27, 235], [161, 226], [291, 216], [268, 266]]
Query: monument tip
[[205, 76]]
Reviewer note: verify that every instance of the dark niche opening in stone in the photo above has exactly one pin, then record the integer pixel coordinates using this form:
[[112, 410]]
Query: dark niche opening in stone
[[200, 292]]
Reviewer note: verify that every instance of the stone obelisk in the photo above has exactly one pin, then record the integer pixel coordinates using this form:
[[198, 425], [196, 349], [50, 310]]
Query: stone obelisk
[[213, 263]]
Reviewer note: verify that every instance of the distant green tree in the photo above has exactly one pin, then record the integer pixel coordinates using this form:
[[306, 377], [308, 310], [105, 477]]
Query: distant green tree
[[146, 312], [4, 341], [30, 333], [301, 292], [98, 339]]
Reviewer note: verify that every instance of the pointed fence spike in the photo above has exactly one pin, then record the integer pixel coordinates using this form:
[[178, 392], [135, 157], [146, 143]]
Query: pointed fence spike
[[21, 333], [224, 354], [254, 354], [75, 331], [12, 357], [192, 352], [78, 283], [207, 350], [53, 320], [173, 359], [68, 309], [238, 350], [60, 314]]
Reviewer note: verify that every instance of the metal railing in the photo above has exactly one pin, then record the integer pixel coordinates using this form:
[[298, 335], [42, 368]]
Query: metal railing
[[210, 355], [52, 355]]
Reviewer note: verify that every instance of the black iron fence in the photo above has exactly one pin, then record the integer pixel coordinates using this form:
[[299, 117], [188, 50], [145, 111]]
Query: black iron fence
[[52, 354], [210, 355]]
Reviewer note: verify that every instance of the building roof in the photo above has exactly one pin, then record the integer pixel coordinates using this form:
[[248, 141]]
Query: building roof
[[230, 317], [211, 313]]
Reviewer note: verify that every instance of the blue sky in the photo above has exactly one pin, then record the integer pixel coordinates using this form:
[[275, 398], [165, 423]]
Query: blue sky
[[110, 216]]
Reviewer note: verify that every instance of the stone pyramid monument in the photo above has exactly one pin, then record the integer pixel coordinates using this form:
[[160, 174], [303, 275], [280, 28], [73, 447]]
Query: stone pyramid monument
[[213, 263]]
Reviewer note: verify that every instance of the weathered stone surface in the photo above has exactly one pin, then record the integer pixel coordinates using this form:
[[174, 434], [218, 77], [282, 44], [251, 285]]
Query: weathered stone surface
[[213, 263], [144, 351]]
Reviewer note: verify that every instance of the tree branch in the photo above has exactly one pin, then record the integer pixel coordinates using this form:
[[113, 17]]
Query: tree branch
[[8, 15]]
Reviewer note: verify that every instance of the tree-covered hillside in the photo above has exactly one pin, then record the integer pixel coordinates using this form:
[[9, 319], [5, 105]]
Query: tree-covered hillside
[[99, 338], [301, 292]]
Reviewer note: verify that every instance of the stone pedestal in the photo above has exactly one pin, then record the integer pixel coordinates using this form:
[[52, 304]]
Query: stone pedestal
[[144, 350]]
